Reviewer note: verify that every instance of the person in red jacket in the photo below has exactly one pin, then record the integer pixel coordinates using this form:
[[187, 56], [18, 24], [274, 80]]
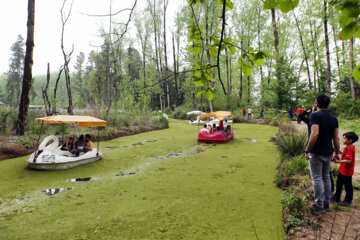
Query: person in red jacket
[[346, 170], [244, 112]]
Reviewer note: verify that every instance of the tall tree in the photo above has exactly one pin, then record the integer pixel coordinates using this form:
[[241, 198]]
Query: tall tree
[[328, 63], [27, 79], [165, 56], [15, 73]]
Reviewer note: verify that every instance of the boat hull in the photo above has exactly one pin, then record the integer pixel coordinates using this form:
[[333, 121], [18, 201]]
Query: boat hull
[[63, 165], [216, 137]]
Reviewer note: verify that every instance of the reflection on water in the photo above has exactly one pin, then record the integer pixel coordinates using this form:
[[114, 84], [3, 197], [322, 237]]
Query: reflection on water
[[81, 179], [52, 191], [122, 174], [252, 140]]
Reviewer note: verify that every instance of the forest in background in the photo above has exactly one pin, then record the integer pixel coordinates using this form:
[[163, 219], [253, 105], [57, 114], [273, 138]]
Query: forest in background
[[154, 71]]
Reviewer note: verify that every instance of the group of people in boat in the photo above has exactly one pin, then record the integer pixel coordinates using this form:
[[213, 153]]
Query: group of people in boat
[[211, 127], [82, 145]]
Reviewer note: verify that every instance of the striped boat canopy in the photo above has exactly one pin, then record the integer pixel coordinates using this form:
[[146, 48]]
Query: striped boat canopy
[[81, 121], [219, 115]]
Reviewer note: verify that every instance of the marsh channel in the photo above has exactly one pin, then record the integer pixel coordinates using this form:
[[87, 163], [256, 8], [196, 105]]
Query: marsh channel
[[154, 185]]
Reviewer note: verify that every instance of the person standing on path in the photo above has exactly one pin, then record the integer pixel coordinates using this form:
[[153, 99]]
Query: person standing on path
[[244, 112], [249, 113], [346, 170], [290, 113], [319, 151]]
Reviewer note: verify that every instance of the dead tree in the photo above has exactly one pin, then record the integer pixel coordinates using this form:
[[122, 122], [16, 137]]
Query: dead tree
[[67, 57], [47, 103]]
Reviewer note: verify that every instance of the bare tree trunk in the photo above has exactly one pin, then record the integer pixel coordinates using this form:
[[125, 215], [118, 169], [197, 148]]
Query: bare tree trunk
[[175, 73], [166, 62], [337, 52], [351, 61], [241, 76], [227, 80], [259, 46], [67, 57], [316, 70], [304, 51], [276, 35], [27, 78], [248, 89], [54, 111], [328, 69], [45, 91], [207, 40], [157, 55]]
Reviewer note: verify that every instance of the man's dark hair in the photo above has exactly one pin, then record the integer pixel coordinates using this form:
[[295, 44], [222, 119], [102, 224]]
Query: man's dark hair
[[323, 101], [351, 136], [205, 126], [88, 136]]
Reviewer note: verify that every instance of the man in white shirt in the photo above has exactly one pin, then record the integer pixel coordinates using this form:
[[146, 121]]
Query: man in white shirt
[[205, 129], [249, 113]]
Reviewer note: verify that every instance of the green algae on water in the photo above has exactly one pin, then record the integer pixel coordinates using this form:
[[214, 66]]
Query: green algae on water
[[206, 192]]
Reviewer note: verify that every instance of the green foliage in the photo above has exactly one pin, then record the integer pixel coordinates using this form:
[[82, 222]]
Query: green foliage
[[291, 144], [292, 222], [25, 142], [284, 5], [349, 18], [296, 166], [164, 121], [294, 204], [346, 106]]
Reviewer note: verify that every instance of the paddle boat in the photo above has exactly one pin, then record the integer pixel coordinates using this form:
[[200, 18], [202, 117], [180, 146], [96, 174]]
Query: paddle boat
[[216, 137], [197, 121], [48, 156]]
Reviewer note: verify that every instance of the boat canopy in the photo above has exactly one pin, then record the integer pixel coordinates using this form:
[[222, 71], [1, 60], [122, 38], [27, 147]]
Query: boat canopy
[[219, 115], [81, 121], [196, 112]]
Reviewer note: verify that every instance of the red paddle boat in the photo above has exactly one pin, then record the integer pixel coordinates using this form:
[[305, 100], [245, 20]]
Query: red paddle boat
[[217, 136]]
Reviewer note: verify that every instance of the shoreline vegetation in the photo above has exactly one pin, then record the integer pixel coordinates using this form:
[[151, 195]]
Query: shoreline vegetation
[[293, 177], [119, 125]]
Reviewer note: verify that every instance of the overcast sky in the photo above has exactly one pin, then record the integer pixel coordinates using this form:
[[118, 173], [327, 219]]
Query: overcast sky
[[80, 30]]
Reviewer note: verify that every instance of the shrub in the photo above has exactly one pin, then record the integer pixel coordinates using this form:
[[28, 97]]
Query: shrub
[[296, 165], [294, 204], [291, 144], [163, 121], [292, 222], [25, 142]]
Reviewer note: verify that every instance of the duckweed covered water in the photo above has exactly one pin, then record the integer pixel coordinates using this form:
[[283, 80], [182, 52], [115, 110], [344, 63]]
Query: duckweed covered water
[[179, 190]]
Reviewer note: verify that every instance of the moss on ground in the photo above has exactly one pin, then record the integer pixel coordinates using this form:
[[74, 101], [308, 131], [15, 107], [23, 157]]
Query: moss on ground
[[206, 192]]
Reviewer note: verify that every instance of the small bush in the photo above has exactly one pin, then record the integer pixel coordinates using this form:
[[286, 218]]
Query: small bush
[[296, 165], [294, 204], [25, 142], [292, 222], [163, 121], [291, 144]]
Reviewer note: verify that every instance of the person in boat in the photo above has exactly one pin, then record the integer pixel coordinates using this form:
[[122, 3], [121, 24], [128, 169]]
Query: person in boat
[[228, 130], [88, 143], [68, 145], [213, 129], [218, 130], [226, 123], [79, 145], [205, 129]]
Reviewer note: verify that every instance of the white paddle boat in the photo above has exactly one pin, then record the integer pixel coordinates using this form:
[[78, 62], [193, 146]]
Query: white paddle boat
[[50, 157]]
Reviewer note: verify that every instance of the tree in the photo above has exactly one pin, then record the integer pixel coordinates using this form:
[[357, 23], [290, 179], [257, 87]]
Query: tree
[[15, 72], [27, 78]]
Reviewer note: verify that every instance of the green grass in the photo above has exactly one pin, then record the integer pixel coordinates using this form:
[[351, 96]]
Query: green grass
[[217, 193]]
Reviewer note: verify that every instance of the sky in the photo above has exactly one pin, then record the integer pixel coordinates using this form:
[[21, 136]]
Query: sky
[[81, 30]]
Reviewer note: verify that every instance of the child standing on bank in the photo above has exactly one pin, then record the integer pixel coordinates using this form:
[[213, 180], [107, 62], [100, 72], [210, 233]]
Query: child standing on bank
[[346, 170]]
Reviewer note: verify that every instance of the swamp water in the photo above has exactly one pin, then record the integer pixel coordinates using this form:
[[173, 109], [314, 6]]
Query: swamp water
[[155, 185]]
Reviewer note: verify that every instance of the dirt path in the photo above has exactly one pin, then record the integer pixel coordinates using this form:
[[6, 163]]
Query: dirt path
[[341, 223]]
